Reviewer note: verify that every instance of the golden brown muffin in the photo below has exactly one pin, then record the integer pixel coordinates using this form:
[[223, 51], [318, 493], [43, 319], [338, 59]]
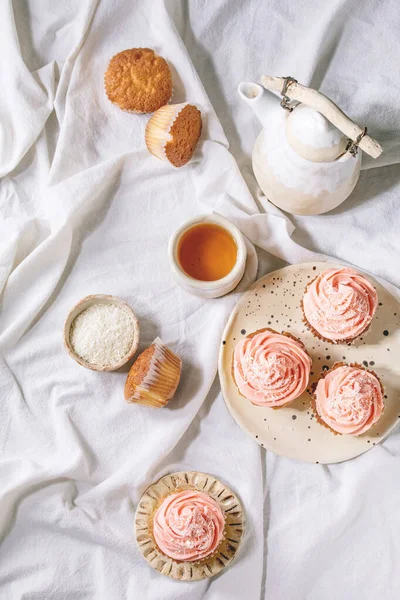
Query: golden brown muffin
[[173, 132], [138, 80], [154, 376]]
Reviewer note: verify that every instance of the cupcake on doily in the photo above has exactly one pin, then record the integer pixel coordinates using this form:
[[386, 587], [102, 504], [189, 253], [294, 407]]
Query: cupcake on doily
[[173, 132], [154, 376], [339, 305], [189, 525], [271, 369], [348, 399]]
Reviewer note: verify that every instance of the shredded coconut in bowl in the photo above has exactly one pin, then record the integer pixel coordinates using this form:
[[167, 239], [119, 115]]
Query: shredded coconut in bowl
[[102, 334]]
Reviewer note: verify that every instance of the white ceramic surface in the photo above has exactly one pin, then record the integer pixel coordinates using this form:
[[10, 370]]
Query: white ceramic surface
[[274, 301], [208, 289], [83, 305]]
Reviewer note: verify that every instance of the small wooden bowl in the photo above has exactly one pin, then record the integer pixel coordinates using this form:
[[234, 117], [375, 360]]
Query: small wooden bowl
[[83, 305]]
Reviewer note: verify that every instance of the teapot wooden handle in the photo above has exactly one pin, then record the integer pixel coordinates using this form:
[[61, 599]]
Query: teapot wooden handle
[[316, 100]]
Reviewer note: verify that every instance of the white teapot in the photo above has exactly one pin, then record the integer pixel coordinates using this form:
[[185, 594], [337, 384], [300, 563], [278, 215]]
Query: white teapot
[[306, 158]]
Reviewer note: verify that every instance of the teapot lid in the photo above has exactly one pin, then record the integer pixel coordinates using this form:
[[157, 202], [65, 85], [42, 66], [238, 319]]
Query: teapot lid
[[312, 136]]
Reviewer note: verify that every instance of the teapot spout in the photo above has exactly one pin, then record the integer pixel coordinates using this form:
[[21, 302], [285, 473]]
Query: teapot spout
[[257, 97]]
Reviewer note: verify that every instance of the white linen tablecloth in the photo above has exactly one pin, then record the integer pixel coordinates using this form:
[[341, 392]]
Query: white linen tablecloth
[[85, 209]]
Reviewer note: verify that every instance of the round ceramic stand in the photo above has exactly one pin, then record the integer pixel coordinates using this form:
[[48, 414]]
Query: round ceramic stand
[[274, 301]]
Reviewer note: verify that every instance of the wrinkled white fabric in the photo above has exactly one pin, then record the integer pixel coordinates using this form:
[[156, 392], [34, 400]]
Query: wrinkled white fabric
[[85, 209]]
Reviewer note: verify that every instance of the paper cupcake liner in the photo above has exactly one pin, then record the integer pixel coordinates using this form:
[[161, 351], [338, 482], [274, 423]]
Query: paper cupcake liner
[[158, 129], [161, 380], [233, 531], [323, 374]]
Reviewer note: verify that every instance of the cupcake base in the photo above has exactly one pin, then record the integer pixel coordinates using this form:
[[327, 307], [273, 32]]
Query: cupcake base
[[233, 532]]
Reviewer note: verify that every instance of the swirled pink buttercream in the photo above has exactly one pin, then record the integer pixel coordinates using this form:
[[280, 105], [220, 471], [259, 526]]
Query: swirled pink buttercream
[[188, 525], [349, 400], [340, 304], [271, 369]]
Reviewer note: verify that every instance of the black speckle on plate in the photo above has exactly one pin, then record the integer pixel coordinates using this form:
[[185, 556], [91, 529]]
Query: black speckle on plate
[[294, 417], [365, 363], [224, 342], [386, 333], [243, 331]]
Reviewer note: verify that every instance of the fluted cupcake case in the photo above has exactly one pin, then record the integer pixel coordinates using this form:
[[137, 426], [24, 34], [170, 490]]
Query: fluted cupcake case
[[154, 376], [232, 536]]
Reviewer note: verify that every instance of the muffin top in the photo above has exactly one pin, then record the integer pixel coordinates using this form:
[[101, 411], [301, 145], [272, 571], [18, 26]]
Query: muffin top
[[188, 525], [270, 368], [138, 80], [349, 399], [340, 304]]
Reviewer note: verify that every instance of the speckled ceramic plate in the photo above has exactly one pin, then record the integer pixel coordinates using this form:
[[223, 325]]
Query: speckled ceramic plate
[[274, 301], [233, 532]]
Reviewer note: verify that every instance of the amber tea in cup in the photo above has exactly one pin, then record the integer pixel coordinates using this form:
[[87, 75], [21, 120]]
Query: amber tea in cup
[[207, 252]]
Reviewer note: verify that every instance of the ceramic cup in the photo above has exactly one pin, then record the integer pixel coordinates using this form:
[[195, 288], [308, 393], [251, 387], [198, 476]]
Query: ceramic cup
[[208, 289]]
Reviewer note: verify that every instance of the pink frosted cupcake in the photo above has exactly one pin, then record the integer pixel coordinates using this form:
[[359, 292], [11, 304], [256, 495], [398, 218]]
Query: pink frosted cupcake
[[271, 369], [348, 399], [339, 305], [188, 526]]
